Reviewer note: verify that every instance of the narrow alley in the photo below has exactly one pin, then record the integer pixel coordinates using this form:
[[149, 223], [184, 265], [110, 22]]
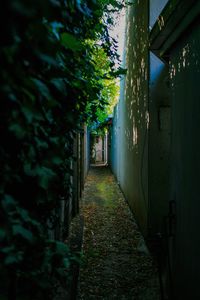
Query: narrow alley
[[99, 152], [116, 263]]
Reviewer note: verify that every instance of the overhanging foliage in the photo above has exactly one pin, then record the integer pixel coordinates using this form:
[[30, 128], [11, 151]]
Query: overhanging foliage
[[48, 80]]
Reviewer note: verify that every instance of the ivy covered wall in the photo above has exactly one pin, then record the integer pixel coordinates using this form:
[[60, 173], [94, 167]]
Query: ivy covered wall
[[50, 85]]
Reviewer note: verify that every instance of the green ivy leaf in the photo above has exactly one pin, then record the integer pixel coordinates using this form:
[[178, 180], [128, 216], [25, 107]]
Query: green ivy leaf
[[18, 130], [28, 94], [10, 260], [47, 59], [66, 262], [46, 175], [41, 87], [41, 144], [70, 42], [13, 259], [2, 234], [8, 203], [59, 84], [57, 160], [23, 232], [8, 250], [61, 248], [22, 9], [28, 113]]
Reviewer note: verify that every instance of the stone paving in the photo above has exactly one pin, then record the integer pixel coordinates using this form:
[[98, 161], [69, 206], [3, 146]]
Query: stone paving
[[116, 262]]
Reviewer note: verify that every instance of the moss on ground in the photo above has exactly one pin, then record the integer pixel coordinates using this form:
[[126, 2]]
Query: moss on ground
[[115, 266]]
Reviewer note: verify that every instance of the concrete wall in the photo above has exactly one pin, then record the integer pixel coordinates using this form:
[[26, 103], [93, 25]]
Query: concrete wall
[[117, 136], [130, 138], [116, 130], [114, 146], [185, 162]]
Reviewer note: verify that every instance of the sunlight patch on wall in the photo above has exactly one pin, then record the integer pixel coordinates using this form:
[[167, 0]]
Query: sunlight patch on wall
[[161, 22], [135, 135], [147, 119]]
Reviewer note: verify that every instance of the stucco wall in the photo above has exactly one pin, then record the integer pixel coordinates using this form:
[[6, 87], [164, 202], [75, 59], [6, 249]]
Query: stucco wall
[[185, 162], [114, 136], [133, 115]]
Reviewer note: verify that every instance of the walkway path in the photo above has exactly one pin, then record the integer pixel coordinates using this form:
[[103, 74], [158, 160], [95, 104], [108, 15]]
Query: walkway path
[[116, 262]]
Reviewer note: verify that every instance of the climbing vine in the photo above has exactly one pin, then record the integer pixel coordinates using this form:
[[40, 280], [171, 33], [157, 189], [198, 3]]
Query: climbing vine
[[49, 87]]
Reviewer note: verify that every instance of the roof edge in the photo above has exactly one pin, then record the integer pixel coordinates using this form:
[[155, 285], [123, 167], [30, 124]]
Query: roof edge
[[170, 25]]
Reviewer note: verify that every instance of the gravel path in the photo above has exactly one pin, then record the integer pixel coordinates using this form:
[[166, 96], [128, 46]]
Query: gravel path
[[116, 263]]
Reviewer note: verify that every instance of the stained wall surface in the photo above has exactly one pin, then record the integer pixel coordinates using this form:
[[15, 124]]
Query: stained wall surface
[[185, 162], [130, 131]]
